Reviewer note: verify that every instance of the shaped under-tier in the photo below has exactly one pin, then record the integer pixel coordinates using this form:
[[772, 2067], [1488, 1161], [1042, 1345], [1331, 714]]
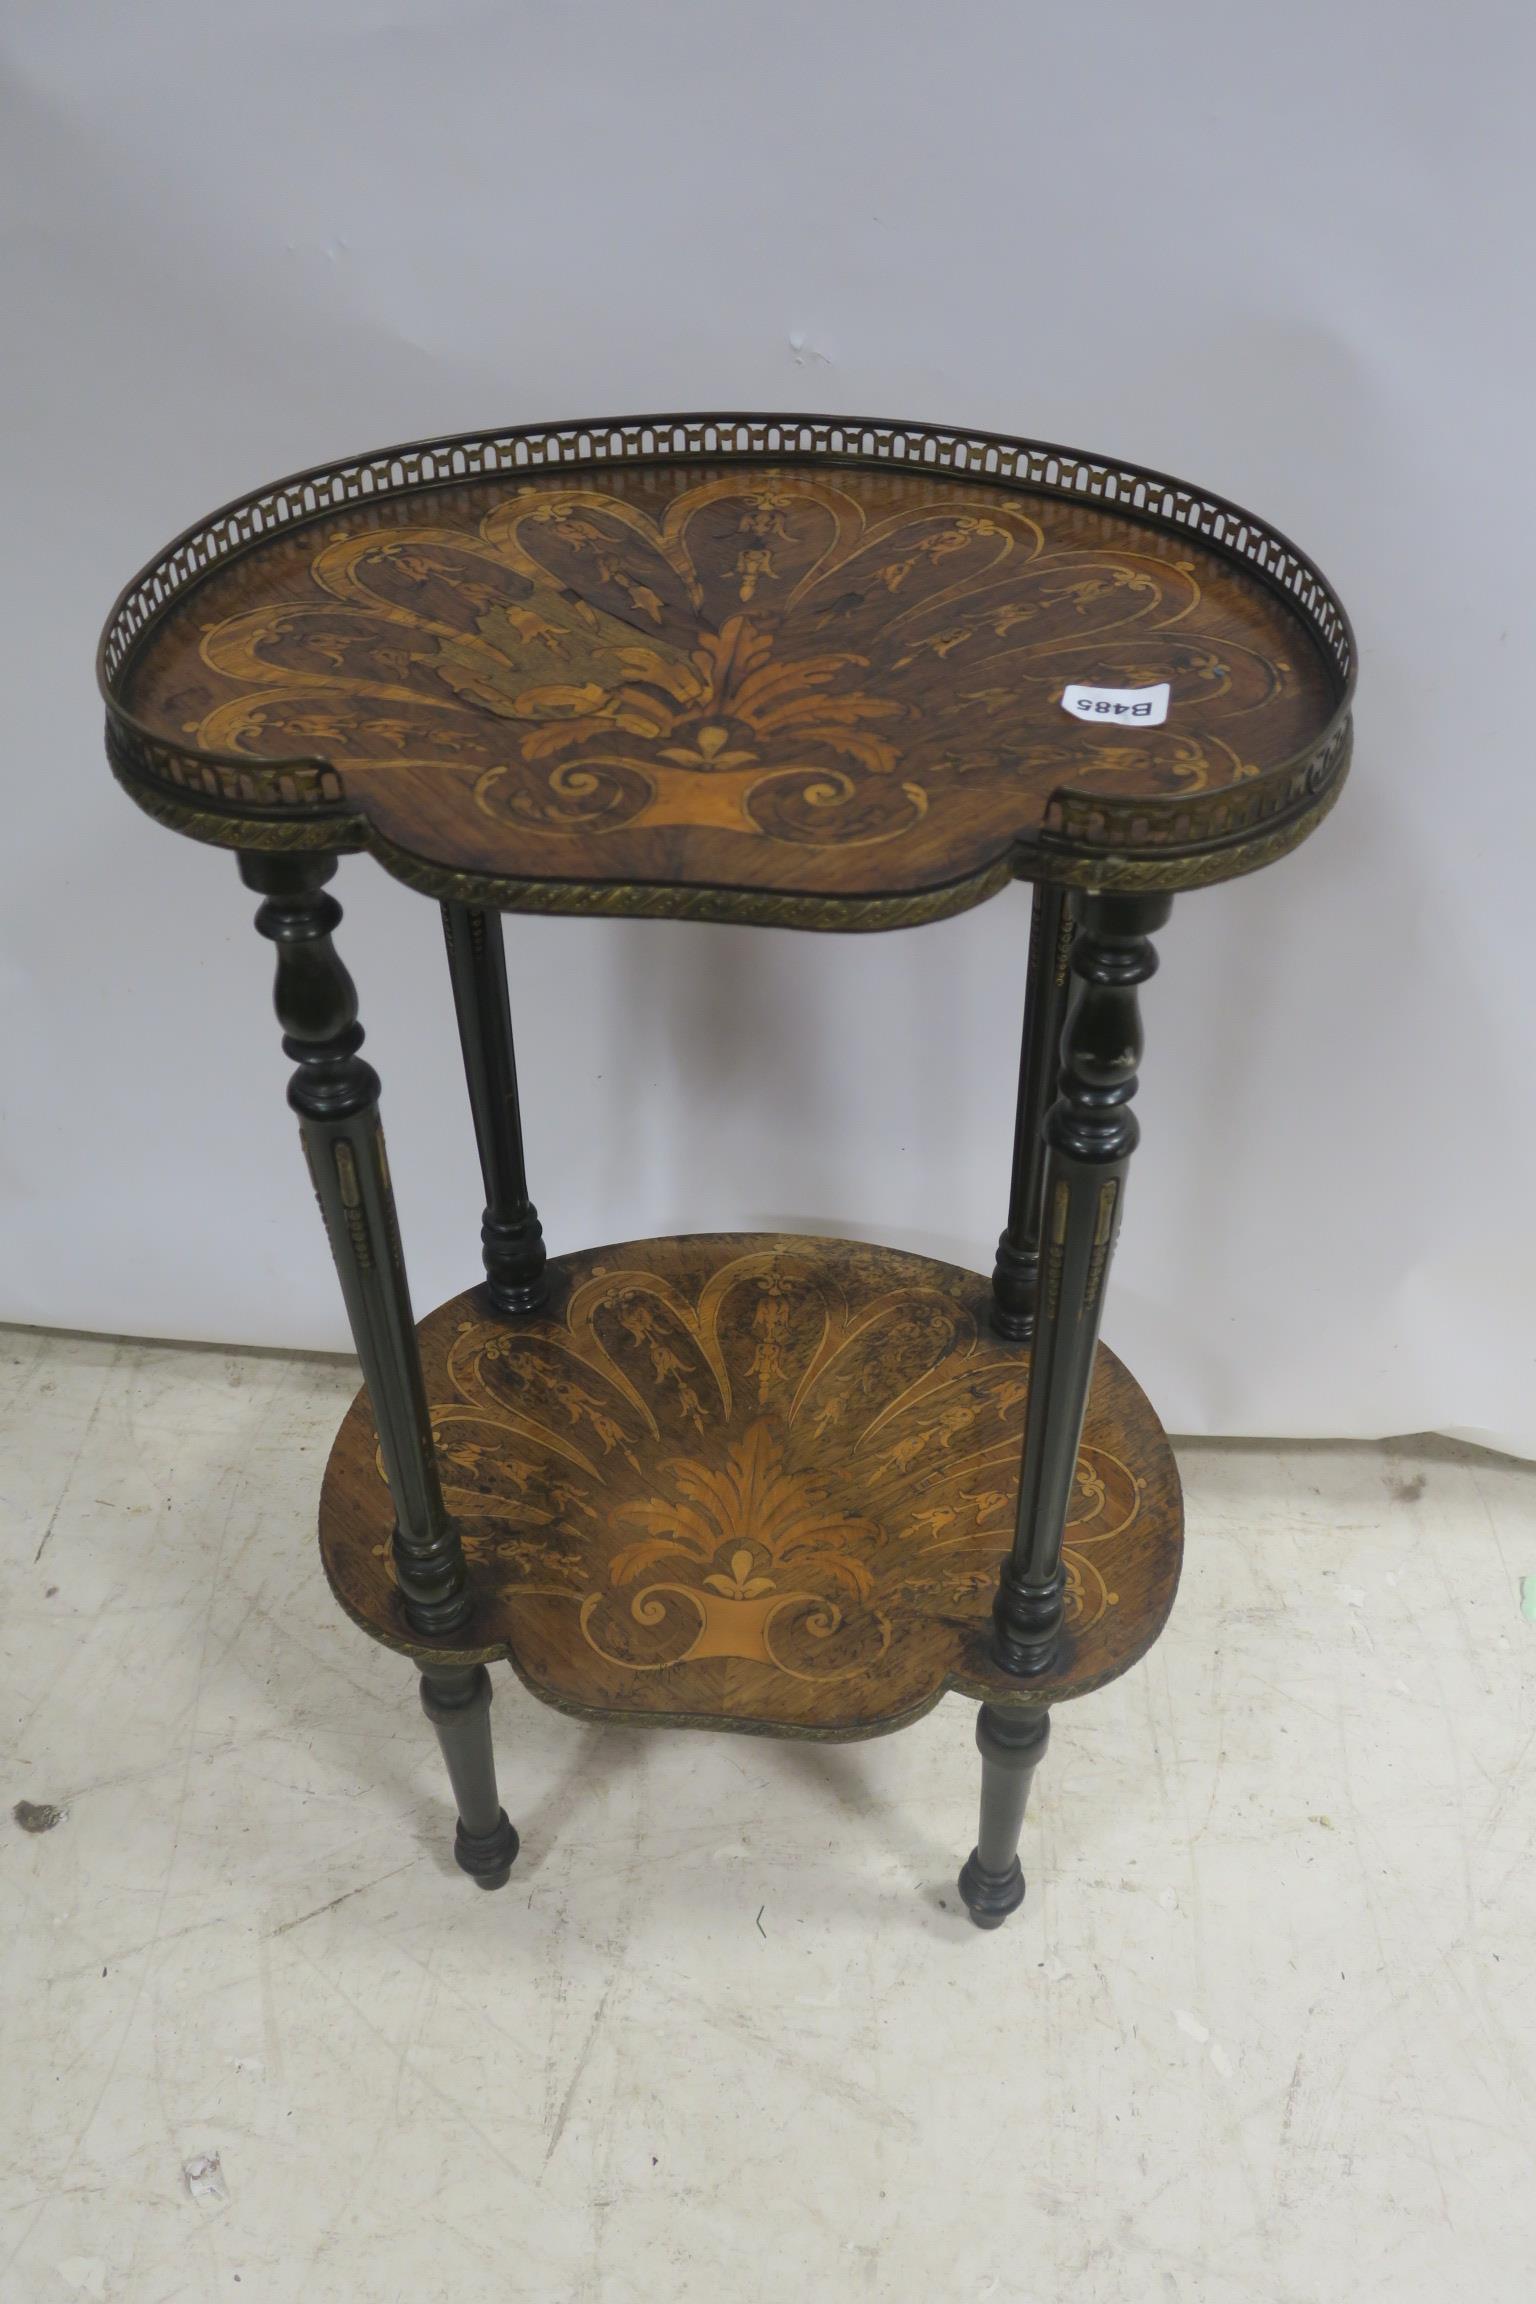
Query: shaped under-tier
[[758, 1482]]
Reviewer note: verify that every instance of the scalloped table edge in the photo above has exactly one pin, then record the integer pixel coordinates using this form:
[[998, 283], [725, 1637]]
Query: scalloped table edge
[[1269, 816]]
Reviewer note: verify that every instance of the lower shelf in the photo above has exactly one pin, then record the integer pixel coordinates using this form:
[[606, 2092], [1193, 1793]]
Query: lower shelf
[[759, 1482]]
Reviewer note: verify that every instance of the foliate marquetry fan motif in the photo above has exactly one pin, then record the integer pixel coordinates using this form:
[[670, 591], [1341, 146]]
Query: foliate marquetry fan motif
[[758, 656], [682, 675], [739, 1470]]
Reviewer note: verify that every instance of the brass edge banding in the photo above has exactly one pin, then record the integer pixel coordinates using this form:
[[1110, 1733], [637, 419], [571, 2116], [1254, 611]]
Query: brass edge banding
[[747, 907], [305, 806]]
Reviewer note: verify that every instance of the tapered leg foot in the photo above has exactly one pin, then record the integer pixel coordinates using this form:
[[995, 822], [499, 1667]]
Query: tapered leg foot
[[990, 1896], [487, 1858], [1011, 1745], [458, 1704]]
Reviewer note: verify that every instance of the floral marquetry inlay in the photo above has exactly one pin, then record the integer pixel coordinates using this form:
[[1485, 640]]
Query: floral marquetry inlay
[[756, 1477], [783, 678]]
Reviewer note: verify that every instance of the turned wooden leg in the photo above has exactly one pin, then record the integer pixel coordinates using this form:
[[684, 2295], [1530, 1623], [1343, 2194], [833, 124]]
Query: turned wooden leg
[[1090, 1133], [336, 1096], [458, 1704], [1016, 1274], [1012, 1745], [511, 1237]]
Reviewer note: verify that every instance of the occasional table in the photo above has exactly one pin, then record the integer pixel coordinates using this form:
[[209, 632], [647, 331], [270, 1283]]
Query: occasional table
[[813, 673]]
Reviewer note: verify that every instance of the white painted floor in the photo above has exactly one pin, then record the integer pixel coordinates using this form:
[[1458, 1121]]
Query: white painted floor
[[1264, 2030]]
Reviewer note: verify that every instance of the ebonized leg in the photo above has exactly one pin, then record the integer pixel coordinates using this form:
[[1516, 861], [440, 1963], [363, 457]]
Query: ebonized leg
[[336, 1096], [511, 1237], [1090, 1134], [1015, 1276], [1012, 1745], [458, 1704]]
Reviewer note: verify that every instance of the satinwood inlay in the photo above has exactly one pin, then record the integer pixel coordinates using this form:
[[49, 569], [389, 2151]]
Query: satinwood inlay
[[757, 1481], [728, 685]]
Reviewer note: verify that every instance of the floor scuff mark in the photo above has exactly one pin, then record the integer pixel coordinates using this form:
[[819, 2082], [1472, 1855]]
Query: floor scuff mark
[[205, 2178], [38, 1815]]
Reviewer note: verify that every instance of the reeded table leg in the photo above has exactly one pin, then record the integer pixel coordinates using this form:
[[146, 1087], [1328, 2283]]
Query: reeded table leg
[[1012, 1745], [1090, 1134], [458, 1704], [1016, 1274], [335, 1093], [511, 1236]]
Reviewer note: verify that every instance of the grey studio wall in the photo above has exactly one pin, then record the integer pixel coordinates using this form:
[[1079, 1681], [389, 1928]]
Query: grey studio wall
[[243, 241]]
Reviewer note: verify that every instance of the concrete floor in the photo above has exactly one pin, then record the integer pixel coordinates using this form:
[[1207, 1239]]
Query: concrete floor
[[1264, 2030]]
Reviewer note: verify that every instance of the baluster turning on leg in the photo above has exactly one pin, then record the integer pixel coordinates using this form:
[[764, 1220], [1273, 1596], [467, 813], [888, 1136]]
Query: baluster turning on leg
[[511, 1237], [1090, 1134], [336, 1096]]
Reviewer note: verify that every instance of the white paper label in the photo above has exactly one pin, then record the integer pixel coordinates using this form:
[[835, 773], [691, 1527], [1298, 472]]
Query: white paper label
[[1118, 707]]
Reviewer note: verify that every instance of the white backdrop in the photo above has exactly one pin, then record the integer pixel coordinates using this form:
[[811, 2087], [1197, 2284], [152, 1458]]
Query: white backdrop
[[1284, 253]]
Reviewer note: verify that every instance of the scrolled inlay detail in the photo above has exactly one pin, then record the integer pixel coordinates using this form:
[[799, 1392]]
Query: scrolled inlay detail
[[756, 664], [753, 1477]]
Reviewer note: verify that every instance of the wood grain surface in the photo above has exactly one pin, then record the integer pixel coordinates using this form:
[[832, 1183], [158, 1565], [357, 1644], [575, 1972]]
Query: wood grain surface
[[755, 1481], [789, 682]]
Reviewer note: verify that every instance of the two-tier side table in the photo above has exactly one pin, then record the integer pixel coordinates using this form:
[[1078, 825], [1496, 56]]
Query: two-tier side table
[[809, 672]]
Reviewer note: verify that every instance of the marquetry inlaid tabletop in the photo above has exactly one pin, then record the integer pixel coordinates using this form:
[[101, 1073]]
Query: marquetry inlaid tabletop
[[782, 686], [745, 1480]]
